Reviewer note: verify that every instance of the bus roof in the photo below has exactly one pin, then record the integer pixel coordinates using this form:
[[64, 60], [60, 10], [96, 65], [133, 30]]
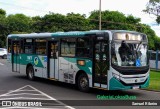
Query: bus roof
[[70, 33]]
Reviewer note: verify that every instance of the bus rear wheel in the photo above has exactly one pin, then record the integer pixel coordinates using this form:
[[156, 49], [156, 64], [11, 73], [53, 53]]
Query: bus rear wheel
[[83, 83], [30, 73]]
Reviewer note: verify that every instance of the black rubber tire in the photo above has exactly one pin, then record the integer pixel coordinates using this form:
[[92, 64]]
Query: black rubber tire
[[83, 83], [4, 57], [30, 73]]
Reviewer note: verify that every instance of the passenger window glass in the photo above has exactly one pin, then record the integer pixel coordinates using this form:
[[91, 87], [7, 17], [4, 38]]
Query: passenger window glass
[[68, 47], [28, 46], [40, 46], [83, 47], [9, 45], [54, 50]]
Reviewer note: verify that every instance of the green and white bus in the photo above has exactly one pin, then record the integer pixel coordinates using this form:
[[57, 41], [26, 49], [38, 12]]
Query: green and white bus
[[106, 59]]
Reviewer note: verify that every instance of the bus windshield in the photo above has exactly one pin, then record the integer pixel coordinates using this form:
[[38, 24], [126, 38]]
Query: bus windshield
[[129, 53]]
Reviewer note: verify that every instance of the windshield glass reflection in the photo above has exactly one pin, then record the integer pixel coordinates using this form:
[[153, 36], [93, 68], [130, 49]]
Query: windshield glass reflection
[[129, 53]]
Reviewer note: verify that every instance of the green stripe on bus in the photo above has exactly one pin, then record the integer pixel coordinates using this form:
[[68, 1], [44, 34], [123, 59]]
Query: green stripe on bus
[[114, 84], [25, 59], [87, 67]]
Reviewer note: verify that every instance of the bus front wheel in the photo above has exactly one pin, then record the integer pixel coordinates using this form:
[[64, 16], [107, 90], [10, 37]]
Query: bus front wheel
[[83, 83], [30, 73]]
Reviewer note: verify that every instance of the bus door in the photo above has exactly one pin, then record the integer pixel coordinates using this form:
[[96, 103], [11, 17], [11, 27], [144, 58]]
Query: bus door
[[101, 62], [53, 59], [15, 56]]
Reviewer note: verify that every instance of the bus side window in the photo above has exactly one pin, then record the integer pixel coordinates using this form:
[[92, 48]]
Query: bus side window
[[68, 46], [9, 45], [54, 51], [153, 56], [83, 49], [40, 46], [16, 47], [28, 46], [21, 46]]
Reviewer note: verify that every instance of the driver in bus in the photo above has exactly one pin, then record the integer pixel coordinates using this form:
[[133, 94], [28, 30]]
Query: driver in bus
[[124, 51]]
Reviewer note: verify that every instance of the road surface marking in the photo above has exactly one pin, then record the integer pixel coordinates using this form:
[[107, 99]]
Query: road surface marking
[[18, 92], [21, 94], [24, 90], [1, 64], [69, 107], [42, 93], [13, 91], [23, 98], [32, 108]]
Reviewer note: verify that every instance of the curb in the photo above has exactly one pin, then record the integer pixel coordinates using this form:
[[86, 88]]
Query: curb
[[150, 90]]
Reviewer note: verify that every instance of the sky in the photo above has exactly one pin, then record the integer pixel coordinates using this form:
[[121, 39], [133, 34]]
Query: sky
[[42, 7]]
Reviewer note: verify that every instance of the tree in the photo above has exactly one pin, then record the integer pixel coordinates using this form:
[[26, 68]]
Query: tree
[[36, 24], [57, 22], [151, 35], [114, 20], [19, 22], [2, 12], [153, 7], [3, 28], [132, 20], [77, 22], [53, 22]]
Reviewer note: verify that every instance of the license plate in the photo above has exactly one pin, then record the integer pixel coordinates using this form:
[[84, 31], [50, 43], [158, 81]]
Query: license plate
[[135, 87]]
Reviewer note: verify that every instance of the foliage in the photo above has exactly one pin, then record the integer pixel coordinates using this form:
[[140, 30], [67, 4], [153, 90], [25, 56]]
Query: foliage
[[53, 22], [19, 22], [56, 22], [153, 7], [3, 28], [114, 20], [2, 12]]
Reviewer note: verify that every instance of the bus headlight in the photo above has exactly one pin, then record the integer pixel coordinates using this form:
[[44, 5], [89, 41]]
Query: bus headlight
[[116, 76]]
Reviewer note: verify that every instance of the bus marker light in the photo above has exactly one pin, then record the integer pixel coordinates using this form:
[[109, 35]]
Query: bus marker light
[[81, 62]]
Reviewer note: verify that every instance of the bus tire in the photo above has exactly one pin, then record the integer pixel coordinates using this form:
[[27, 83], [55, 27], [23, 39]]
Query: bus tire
[[83, 83], [30, 73]]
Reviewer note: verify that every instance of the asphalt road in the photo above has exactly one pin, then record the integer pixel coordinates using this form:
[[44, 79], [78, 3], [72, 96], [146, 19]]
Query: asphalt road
[[14, 86]]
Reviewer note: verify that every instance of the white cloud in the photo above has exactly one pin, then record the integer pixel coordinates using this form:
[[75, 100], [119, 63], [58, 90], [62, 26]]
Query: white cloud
[[42, 7]]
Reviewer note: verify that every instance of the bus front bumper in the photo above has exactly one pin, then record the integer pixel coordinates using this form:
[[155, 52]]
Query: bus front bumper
[[115, 84]]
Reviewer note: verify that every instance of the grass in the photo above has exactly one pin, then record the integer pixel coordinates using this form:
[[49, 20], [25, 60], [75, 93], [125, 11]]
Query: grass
[[154, 80]]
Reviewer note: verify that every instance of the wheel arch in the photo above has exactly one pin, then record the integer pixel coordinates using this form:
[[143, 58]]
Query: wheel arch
[[28, 65], [78, 74]]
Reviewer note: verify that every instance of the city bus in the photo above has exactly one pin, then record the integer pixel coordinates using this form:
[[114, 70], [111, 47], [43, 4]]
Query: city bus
[[106, 59]]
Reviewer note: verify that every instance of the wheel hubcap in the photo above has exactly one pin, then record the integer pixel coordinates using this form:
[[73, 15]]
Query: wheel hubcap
[[30, 73], [83, 82]]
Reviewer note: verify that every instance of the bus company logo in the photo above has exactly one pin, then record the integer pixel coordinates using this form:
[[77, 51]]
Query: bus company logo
[[36, 60]]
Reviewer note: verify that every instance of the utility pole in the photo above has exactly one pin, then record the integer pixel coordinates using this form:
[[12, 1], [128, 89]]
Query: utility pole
[[100, 15]]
